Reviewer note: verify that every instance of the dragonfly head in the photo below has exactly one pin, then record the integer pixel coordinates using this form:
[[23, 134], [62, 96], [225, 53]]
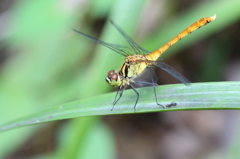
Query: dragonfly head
[[113, 79]]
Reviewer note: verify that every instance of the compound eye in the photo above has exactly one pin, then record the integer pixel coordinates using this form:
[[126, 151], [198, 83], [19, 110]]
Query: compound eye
[[114, 76], [111, 72]]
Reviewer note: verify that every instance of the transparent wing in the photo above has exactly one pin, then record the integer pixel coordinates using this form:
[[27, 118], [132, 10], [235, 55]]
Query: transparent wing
[[122, 50], [171, 71], [146, 78], [136, 48]]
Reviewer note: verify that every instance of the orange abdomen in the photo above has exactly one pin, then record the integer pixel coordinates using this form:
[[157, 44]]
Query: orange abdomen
[[153, 56]]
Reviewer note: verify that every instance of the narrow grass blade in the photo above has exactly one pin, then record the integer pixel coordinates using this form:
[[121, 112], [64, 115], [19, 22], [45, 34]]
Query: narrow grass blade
[[197, 96]]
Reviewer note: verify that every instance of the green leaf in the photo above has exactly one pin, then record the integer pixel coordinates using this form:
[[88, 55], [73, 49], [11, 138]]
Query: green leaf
[[197, 96]]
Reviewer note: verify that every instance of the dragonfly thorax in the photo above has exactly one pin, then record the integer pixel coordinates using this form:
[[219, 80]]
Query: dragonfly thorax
[[131, 68], [113, 79]]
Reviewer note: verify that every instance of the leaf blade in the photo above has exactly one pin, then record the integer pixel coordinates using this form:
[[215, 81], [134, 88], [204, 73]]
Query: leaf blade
[[197, 96]]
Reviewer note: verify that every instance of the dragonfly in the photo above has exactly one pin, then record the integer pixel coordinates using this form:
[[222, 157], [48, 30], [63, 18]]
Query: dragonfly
[[138, 62]]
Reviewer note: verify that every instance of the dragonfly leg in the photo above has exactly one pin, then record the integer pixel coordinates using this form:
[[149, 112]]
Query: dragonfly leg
[[114, 102], [137, 97], [156, 96], [172, 104], [120, 92]]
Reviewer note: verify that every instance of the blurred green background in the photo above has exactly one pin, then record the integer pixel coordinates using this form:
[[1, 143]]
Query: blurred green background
[[44, 63]]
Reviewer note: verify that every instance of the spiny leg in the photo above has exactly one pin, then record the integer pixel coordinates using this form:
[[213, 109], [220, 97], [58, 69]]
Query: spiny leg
[[153, 73], [172, 104], [137, 97], [114, 102], [120, 92], [156, 96]]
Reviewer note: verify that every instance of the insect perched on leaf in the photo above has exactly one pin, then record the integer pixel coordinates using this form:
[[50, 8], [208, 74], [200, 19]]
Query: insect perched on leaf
[[138, 62]]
